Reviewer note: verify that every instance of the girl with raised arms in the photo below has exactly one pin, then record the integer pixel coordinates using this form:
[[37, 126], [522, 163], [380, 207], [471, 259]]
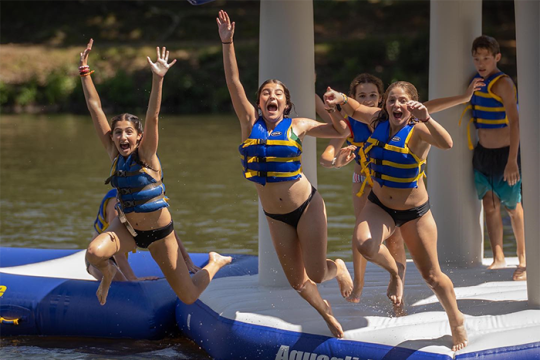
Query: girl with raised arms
[[143, 218], [271, 151]]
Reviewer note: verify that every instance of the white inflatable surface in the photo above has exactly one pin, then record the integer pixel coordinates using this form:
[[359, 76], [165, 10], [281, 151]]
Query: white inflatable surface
[[69, 267], [496, 310]]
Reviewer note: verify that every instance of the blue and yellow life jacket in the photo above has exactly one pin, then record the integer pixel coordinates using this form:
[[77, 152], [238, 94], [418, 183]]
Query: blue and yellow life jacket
[[138, 190], [390, 161], [360, 132], [487, 109], [273, 157], [101, 223]]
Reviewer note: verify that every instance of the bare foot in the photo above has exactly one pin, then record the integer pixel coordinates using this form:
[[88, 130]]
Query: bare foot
[[104, 286], [331, 322], [459, 335], [497, 264], [343, 278], [520, 274], [395, 290], [356, 292], [218, 259], [399, 310]]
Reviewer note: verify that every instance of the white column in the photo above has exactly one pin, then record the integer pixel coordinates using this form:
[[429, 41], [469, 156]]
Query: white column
[[286, 53], [528, 66], [458, 212]]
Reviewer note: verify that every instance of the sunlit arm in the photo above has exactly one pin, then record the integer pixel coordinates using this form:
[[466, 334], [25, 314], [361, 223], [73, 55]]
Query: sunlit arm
[[352, 107], [437, 135], [441, 104], [245, 111], [93, 103]]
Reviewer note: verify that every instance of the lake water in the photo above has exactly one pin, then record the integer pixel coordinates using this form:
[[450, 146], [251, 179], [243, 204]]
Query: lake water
[[52, 172]]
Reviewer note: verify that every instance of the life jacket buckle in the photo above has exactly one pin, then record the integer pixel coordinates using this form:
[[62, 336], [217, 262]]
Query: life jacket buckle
[[125, 191], [120, 173], [128, 203]]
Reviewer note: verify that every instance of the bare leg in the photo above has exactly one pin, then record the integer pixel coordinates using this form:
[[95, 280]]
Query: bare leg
[[373, 227], [311, 232], [492, 209], [359, 262], [290, 255], [516, 217], [397, 249], [421, 238], [102, 248], [167, 255]]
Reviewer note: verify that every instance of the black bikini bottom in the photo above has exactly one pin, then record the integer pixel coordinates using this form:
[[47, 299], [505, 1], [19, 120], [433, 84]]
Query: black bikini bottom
[[145, 237], [400, 217], [293, 217]]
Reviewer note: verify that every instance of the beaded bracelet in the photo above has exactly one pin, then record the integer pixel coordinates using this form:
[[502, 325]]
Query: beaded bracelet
[[84, 67], [345, 99]]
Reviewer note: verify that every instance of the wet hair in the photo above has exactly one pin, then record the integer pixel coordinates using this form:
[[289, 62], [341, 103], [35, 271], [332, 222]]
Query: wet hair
[[486, 42], [409, 90], [366, 78], [137, 124], [285, 89]]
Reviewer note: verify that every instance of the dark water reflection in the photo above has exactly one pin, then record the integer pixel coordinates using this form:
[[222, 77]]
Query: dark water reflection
[[51, 183]]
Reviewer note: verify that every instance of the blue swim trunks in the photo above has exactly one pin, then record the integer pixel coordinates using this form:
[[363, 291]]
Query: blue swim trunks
[[509, 196], [489, 167]]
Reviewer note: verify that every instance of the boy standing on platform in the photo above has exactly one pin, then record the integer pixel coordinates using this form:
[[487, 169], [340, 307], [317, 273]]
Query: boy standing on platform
[[496, 156]]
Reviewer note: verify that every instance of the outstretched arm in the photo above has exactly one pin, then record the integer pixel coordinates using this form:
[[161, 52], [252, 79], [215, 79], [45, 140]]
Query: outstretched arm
[[93, 103], [149, 142], [352, 107], [244, 109], [441, 104]]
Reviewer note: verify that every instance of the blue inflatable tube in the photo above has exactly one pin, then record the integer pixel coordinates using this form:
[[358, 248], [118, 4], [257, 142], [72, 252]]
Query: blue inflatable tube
[[63, 306]]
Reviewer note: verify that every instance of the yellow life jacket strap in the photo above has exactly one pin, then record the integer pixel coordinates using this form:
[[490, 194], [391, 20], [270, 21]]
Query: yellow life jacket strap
[[251, 173], [251, 142], [255, 159]]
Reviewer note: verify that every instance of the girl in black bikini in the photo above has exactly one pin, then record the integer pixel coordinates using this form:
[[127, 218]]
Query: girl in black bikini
[[295, 211], [143, 218], [404, 133]]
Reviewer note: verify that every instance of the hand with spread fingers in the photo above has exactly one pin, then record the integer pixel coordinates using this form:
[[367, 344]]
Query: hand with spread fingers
[[162, 65]]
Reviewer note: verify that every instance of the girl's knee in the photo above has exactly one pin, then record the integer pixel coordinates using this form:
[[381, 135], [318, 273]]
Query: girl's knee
[[368, 248], [99, 249], [433, 279]]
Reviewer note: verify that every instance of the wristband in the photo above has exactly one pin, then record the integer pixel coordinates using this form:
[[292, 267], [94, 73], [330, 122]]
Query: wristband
[[226, 42], [345, 99], [426, 120]]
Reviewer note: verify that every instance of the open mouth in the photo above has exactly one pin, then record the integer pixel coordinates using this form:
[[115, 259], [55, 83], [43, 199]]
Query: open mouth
[[272, 107], [397, 115], [124, 146]]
